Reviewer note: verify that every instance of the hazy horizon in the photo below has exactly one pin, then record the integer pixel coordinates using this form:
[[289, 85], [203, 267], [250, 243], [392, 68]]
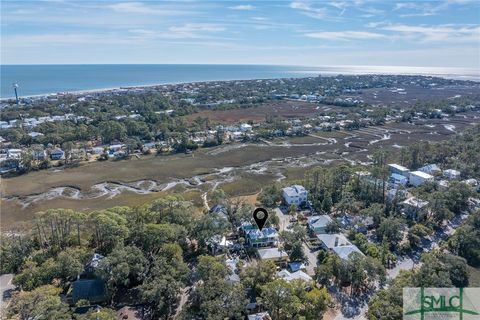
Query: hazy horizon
[[305, 33]]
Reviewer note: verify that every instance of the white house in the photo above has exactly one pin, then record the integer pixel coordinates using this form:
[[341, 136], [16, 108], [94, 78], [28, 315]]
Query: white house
[[430, 169], [295, 194], [344, 252], [291, 276], [414, 208], [398, 169], [245, 127], [417, 178], [272, 254], [451, 174], [339, 244], [330, 241]]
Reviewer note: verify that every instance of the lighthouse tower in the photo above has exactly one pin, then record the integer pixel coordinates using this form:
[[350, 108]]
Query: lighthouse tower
[[15, 86]]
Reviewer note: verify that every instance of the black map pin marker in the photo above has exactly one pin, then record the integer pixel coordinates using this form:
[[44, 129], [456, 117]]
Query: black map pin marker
[[260, 215]]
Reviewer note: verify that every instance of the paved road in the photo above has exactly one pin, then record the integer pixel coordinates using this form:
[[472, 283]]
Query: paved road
[[5, 289]]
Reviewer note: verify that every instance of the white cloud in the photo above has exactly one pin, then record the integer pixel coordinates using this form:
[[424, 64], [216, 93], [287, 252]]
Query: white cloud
[[345, 35], [244, 7], [144, 9], [439, 33], [308, 10]]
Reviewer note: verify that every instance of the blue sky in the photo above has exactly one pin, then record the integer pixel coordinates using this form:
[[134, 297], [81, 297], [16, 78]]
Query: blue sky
[[313, 33]]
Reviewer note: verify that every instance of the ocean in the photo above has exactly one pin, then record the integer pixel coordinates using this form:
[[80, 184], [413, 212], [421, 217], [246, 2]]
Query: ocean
[[45, 79]]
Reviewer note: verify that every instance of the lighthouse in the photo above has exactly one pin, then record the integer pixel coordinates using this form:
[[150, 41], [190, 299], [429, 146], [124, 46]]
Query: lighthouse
[[15, 86]]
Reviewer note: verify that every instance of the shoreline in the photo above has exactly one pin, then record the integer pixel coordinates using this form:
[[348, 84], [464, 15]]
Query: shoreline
[[306, 74]]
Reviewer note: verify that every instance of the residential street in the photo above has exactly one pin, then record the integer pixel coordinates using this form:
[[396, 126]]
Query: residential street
[[312, 256]]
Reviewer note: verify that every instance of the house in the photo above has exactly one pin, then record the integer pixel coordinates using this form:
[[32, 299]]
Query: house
[[344, 252], [93, 263], [397, 179], [219, 210], [471, 182], [443, 184], [418, 178], [14, 153], [295, 195], [116, 147], [245, 127], [295, 266], [93, 290], [414, 208], [130, 313], [273, 254], [338, 244], [318, 224], [39, 155], [259, 316], [57, 154], [34, 135], [398, 169], [451, 174], [219, 243], [330, 241], [265, 238], [291, 276], [431, 169], [233, 277]]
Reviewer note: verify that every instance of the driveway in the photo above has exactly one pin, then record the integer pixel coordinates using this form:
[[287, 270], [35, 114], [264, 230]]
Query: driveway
[[311, 256]]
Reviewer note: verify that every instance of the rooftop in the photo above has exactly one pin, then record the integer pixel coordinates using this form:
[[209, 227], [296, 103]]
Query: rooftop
[[398, 167], [294, 190], [333, 240], [344, 251], [319, 221], [271, 253], [415, 202], [421, 174], [297, 275]]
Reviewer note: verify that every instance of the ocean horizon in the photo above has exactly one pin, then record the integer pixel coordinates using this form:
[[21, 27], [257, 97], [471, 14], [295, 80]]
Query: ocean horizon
[[35, 80]]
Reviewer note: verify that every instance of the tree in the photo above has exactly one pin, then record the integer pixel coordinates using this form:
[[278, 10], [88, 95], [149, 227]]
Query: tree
[[124, 267], [112, 130], [279, 298], [162, 287], [109, 229], [208, 226], [102, 314], [439, 209], [417, 233], [327, 203], [292, 209], [466, 240], [315, 303], [214, 298], [270, 196], [257, 274], [41, 303], [297, 253], [456, 196], [389, 229], [332, 227]]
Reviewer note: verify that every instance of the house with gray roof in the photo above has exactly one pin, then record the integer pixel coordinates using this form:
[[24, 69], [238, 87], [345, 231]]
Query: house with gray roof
[[318, 224], [344, 252], [295, 194], [268, 237]]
